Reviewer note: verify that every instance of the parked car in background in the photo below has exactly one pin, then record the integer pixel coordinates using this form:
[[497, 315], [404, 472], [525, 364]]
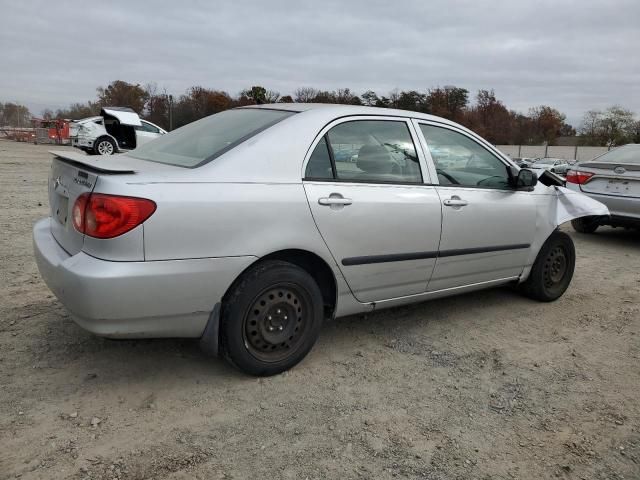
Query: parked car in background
[[613, 179], [554, 165], [524, 162], [244, 229], [116, 130]]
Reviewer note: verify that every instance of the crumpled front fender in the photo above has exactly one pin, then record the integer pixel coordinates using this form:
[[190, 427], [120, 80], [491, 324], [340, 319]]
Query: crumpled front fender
[[570, 205], [555, 206]]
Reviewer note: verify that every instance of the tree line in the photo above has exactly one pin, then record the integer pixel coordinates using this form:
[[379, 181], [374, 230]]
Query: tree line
[[484, 113]]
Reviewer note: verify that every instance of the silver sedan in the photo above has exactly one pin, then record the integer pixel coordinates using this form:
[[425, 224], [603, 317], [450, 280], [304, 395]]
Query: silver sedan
[[613, 179], [249, 228]]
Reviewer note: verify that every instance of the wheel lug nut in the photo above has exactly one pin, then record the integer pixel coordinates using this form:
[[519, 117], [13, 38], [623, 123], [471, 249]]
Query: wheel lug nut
[[278, 311], [280, 328], [286, 318], [269, 317]]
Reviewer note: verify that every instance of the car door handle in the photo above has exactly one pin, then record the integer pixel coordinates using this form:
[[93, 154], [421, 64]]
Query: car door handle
[[334, 199], [455, 202]]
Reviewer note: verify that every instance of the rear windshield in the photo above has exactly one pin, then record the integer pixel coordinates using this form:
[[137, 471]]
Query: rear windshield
[[200, 142], [625, 154]]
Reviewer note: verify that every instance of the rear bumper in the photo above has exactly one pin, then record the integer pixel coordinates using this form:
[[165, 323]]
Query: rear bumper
[[622, 208], [172, 298]]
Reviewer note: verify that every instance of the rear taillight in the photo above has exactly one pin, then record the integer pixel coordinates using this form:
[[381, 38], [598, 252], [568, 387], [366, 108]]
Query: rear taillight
[[578, 177], [107, 216]]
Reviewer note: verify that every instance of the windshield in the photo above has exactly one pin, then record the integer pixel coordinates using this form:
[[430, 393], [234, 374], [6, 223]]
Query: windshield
[[626, 154], [200, 142]]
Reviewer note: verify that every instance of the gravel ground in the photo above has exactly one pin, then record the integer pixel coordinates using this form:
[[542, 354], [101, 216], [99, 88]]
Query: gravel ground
[[487, 385]]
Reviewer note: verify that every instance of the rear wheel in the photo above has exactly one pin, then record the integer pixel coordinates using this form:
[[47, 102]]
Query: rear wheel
[[553, 269], [104, 146], [271, 318], [585, 224]]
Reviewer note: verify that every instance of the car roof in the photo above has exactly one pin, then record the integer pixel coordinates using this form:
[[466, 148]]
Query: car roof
[[341, 110]]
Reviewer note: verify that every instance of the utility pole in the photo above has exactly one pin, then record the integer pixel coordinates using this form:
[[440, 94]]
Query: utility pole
[[170, 112]]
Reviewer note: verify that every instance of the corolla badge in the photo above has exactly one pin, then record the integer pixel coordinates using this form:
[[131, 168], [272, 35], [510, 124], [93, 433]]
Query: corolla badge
[[619, 170], [82, 181]]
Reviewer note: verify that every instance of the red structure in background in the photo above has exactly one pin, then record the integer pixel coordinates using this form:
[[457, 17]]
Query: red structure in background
[[51, 131]]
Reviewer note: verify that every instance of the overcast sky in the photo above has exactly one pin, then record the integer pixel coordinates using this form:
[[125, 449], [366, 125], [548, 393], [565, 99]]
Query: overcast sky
[[573, 55]]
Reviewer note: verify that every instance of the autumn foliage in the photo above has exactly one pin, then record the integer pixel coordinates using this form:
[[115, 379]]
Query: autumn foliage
[[485, 113]]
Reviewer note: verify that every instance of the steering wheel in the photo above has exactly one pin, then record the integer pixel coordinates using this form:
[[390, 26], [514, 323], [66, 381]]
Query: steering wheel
[[447, 176]]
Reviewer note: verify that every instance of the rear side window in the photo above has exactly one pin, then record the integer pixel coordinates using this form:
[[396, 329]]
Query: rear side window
[[319, 165], [147, 127], [375, 151], [625, 154], [201, 141]]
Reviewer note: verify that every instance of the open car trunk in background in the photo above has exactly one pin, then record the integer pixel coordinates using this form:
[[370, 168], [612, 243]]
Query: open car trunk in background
[[124, 115], [119, 123]]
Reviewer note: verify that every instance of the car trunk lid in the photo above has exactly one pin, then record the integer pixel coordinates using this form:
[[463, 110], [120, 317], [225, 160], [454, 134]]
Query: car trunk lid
[[612, 178], [124, 115]]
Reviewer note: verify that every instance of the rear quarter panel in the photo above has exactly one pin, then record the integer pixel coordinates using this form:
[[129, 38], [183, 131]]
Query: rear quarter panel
[[199, 220]]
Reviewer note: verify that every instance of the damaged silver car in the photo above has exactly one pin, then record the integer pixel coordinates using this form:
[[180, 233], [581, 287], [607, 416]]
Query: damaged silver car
[[249, 228]]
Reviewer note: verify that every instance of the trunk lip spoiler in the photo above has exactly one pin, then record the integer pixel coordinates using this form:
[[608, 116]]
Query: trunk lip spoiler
[[100, 165]]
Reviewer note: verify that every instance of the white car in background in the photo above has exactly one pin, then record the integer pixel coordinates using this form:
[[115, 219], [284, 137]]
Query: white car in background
[[558, 166], [116, 130]]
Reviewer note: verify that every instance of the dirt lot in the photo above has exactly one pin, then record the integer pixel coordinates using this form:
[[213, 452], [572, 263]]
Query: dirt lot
[[488, 385]]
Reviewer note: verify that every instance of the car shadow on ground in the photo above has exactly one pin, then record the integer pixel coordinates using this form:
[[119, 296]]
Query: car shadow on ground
[[178, 360], [609, 237], [132, 360]]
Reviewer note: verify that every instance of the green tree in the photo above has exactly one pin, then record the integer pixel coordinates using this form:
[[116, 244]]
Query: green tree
[[256, 93], [122, 94], [411, 100], [370, 98]]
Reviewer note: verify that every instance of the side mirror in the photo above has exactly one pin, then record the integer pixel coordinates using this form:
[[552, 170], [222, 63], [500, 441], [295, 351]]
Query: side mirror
[[526, 179]]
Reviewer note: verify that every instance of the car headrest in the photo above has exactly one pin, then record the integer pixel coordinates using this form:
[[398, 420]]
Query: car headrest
[[374, 159]]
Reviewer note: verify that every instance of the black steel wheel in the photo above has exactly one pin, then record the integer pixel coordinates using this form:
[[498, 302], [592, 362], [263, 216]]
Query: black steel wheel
[[553, 269], [555, 266], [277, 322], [270, 318]]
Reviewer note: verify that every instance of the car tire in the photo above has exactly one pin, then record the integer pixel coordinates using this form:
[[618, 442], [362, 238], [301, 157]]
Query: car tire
[[552, 270], [585, 224], [104, 146], [270, 318]]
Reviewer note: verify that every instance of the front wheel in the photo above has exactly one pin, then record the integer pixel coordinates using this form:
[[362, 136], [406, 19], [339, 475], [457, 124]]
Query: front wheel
[[271, 318], [553, 269], [585, 224]]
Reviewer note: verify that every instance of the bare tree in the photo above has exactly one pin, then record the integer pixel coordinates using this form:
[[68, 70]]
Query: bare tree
[[305, 94]]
